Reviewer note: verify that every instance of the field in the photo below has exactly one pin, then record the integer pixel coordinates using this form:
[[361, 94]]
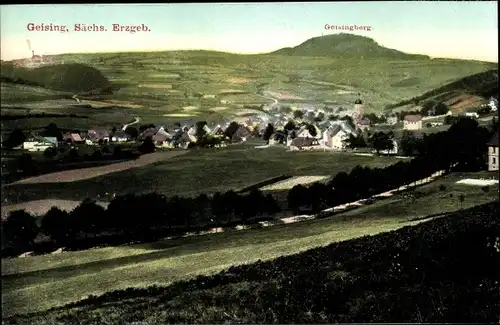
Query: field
[[200, 171], [155, 86], [66, 277]]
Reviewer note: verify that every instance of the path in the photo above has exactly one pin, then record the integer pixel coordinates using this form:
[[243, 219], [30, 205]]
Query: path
[[137, 120], [91, 172]]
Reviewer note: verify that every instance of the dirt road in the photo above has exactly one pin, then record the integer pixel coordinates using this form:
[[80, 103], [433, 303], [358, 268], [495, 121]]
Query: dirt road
[[91, 172]]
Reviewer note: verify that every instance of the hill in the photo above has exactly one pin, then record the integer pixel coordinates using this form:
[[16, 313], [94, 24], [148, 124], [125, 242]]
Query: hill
[[444, 270], [345, 45], [466, 92], [74, 78]]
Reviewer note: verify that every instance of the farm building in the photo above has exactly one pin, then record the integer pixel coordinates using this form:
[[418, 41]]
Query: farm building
[[412, 122], [302, 144]]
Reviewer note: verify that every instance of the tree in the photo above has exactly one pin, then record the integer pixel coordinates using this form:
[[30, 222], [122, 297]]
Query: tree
[[409, 143], [296, 198], [55, 225], [268, 132], [87, 218], [132, 131], [117, 152], [73, 153], [289, 126], [272, 206], [15, 138], [97, 154], [312, 130], [50, 152], [52, 130], [298, 114], [20, 229], [349, 120], [441, 109], [25, 163], [231, 129], [382, 141], [147, 146], [429, 106], [113, 130], [320, 117], [461, 199], [200, 130]]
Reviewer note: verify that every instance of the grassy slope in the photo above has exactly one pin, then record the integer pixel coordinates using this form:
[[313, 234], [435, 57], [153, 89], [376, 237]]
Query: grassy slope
[[73, 275], [483, 84], [204, 171], [74, 78], [381, 81], [381, 278]]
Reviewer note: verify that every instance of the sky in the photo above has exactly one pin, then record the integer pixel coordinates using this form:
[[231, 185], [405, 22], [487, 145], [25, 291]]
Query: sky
[[464, 30]]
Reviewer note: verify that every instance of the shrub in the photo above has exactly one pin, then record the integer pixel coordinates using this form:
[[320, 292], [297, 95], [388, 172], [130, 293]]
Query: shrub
[[20, 229]]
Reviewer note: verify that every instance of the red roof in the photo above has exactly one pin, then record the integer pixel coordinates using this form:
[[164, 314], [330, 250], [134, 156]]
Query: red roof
[[413, 118]]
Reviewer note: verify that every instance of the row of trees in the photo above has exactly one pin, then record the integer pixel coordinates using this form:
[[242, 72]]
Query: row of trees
[[137, 217], [462, 146], [378, 141]]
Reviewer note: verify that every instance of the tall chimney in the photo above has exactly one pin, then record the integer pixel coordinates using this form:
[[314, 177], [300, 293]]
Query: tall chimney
[[33, 53]]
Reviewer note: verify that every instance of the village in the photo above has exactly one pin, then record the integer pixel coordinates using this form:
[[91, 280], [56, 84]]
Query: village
[[294, 129]]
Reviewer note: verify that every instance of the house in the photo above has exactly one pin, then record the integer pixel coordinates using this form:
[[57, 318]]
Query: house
[[363, 124], [72, 137], [161, 140], [472, 115], [95, 135], [277, 138], [120, 136], [304, 132], [493, 152], [148, 133], [38, 143], [334, 137], [493, 104], [412, 122], [302, 143], [241, 134], [180, 140], [217, 131]]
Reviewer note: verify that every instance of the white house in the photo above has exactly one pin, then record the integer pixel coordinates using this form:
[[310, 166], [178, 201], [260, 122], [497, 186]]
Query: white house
[[37, 143], [493, 152], [493, 104], [412, 122], [335, 135], [472, 114]]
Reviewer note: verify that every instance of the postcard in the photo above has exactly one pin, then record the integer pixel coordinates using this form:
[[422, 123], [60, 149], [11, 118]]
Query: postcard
[[310, 162]]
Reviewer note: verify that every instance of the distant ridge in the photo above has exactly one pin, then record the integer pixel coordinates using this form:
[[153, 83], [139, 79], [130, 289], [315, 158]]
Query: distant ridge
[[345, 45]]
